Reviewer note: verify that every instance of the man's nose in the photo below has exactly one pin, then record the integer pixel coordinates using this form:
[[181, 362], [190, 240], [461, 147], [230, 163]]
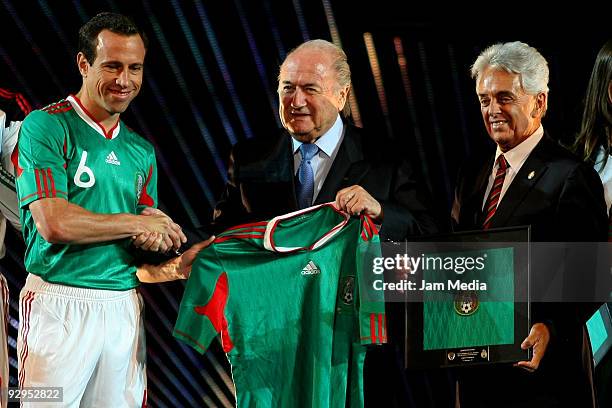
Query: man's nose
[[299, 99], [123, 79], [494, 108]]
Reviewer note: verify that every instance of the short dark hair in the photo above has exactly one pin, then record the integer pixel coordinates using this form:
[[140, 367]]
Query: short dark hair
[[114, 22]]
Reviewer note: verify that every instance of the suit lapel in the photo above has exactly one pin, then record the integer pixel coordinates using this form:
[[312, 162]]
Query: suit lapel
[[347, 169], [530, 173], [476, 197]]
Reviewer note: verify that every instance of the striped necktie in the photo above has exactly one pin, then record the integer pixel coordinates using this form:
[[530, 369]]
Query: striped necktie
[[491, 204]]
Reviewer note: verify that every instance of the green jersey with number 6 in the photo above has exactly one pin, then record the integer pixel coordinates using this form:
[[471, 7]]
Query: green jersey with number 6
[[64, 153]]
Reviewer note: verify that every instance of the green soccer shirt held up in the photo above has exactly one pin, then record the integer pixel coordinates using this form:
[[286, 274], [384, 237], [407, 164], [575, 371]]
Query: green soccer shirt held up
[[63, 152], [293, 302]]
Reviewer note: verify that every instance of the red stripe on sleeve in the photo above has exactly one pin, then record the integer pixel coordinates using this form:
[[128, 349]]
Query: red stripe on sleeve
[[238, 236], [372, 327], [369, 227], [38, 190], [50, 176], [250, 224], [380, 328], [372, 226], [43, 175], [145, 198]]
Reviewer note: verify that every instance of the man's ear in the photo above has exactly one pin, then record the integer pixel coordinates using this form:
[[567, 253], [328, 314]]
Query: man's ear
[[343, 97], [82, 64], [539, 107]]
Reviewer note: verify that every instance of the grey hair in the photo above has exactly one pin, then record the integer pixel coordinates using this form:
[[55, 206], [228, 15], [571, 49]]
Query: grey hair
[[517, 58], [339, 64]]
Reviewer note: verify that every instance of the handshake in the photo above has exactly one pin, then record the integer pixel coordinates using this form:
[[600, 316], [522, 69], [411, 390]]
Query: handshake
[[159, 232]]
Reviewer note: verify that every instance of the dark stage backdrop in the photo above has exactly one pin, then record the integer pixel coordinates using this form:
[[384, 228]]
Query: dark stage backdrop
[[210, 81]]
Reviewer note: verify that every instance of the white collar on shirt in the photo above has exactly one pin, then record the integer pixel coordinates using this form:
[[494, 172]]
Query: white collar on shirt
[[94, 124], [518, 154], [328, 142]]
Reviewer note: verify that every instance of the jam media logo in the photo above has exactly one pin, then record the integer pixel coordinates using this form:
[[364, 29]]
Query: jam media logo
[[466, 303], [311, 269]]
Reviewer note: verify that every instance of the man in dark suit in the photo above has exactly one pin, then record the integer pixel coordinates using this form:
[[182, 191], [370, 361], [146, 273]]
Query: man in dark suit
[[530, 180], [320, 157], [269, 176]]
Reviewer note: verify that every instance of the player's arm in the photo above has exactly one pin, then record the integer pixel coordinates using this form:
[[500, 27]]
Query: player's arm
[[42, 184], [156, 242], [59, 221], [173, 269]]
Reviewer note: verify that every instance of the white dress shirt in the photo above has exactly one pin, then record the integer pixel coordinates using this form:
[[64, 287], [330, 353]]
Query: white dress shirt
[[516, 158]]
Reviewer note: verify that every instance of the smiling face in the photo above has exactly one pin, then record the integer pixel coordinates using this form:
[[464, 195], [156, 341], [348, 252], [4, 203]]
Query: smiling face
[[510, 115], [115, 77], [309, 94]]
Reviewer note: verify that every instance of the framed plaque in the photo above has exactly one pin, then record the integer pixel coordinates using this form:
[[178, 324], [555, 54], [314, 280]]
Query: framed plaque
[[469, 299]]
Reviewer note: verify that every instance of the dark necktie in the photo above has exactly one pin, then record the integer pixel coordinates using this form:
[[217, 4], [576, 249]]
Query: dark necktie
[[305, 179], [491, 204]]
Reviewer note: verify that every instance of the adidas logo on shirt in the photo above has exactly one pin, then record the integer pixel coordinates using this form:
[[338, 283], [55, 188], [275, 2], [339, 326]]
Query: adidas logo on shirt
[[311, 269], [112, 159]]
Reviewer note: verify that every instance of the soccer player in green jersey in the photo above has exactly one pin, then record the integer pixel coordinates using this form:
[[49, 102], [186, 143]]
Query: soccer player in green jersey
[[84, 180]]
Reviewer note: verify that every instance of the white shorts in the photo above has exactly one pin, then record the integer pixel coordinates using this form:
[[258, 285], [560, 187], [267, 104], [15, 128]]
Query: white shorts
[[4, 364], [90, 342]]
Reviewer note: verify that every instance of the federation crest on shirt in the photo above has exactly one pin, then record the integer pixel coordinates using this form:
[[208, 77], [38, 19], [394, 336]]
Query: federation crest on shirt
[[466, 303], [139, 185], [347, 287]]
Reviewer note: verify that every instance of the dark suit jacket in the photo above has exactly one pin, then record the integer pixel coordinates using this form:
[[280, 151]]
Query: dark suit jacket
[[261, 183], [561, 199]]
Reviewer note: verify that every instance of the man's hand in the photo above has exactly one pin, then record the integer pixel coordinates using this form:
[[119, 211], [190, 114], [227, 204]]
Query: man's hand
[[538, 339], [159, 239], [173, 269], [355, 200]]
